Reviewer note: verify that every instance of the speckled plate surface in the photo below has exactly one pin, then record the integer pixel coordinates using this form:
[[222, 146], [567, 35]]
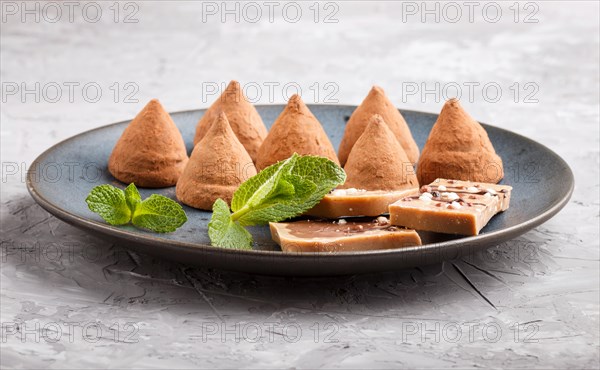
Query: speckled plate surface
[[542, 184]]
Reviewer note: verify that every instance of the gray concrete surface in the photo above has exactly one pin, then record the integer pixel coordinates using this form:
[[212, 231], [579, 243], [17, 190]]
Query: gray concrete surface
[[70, 300]]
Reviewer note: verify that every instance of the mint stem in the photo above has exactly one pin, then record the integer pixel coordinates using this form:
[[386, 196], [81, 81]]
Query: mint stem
[[236, 215]]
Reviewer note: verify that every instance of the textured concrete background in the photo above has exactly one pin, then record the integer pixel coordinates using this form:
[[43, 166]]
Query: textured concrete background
[[70, 300]]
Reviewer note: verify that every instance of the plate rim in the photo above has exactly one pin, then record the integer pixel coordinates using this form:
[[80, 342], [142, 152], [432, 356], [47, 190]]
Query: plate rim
[[150, 239]]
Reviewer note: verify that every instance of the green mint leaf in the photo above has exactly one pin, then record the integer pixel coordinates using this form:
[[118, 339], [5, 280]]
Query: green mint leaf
[[324, 173], [159, 214], [261, 186], [225, 233], [311, 177], [109, 202], [281, 207], [132, 196]]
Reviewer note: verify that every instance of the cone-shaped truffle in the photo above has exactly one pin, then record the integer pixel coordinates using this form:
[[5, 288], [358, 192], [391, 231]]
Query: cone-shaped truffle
[[150, 152], [296, 130], [377, 103], [243, 118], [219, 164], [458, 148], [378, 161]]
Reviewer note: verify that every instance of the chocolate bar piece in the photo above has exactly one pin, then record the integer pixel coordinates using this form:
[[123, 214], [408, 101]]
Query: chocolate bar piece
[[341, 235], [451, 206], [357, 202]]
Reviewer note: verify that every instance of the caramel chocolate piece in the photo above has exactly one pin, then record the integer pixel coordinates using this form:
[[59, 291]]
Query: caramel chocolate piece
[[296, 130], [357, 202], [243, 118], [218, 166], [150, 152], [451, 207], [458, 148], [377, 102], [341, 236]]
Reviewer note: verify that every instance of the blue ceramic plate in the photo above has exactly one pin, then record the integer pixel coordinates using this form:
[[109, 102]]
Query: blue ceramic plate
[[61, 178]]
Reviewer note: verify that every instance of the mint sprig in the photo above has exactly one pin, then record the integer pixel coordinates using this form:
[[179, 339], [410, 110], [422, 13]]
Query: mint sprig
[[281, 191], [117, 207]]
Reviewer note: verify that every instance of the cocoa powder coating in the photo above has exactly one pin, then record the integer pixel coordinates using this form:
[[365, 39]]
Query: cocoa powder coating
[[378, 161], [219, 164], [458, 148], [296, 130], [377, 103], [150, 152], [243, 118]]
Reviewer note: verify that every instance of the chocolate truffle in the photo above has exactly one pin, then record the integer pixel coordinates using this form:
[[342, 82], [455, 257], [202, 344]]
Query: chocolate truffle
[[377, 103], [296, 130], [150, 152], [378, 161], [458, 148], [218, 166], [243, 118]]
